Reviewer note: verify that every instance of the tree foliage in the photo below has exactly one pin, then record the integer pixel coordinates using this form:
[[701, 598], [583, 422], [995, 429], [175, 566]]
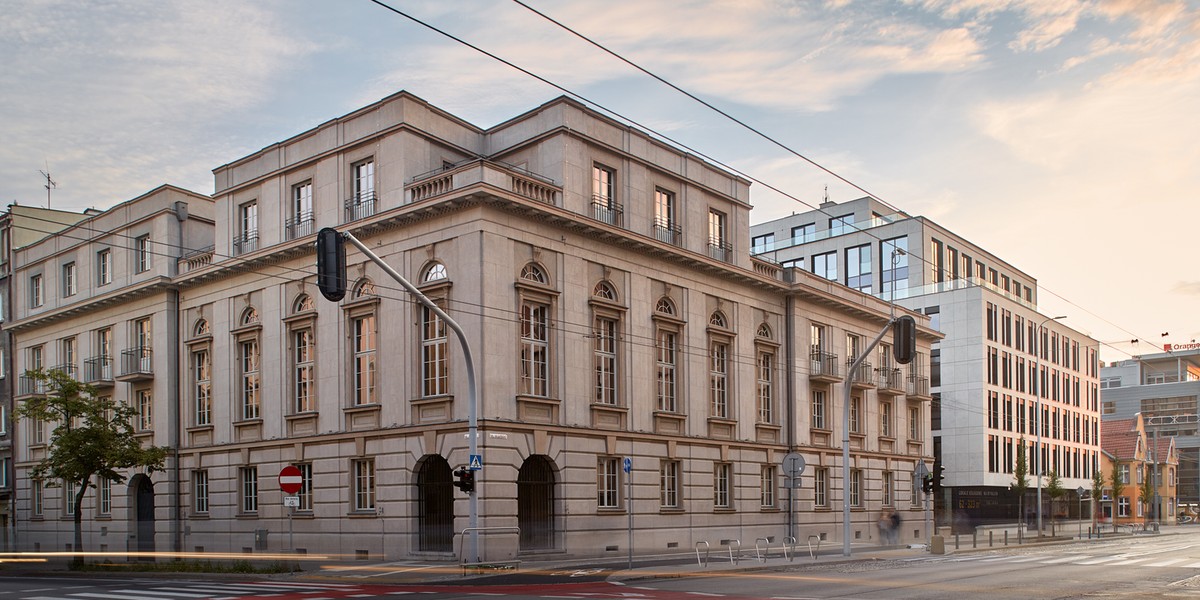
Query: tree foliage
[[1118, 486], [1020, 483], [1097, 493], [92, 439], [1147, 492], [1055, 490]]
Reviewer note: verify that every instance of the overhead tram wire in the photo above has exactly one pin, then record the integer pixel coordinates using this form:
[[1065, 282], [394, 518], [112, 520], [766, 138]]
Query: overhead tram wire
[[764, 136], [679, 144]]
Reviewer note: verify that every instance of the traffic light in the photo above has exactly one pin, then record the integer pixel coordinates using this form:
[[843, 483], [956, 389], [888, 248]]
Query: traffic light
[[939, 475], [904, 339], [331, 264], [466, 480], [927, 484]]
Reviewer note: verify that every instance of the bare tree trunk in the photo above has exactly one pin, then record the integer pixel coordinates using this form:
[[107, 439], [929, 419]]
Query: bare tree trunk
[[77, 560]]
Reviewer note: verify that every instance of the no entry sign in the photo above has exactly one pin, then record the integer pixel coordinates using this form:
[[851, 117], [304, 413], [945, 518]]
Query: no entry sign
[[290, 480]]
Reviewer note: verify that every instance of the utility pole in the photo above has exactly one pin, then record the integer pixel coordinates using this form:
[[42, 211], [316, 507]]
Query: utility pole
[[50, 183]]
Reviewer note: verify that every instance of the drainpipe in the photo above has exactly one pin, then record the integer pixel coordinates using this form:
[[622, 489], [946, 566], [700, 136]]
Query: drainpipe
[[789, 379]]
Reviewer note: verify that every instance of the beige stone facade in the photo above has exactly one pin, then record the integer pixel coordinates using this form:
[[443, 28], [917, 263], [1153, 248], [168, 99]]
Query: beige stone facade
[[605, 285]]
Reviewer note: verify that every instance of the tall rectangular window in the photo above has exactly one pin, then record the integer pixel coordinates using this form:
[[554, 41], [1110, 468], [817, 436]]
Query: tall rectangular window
[[68, 279], [607, 484], [37, 501], [535, 348], [821, 487], [200, 491], [104, 497], [767, 485], [819, 406], [855, 487], [765, 387], [145, 409], [104, 267], [722, 480], [666, 227], [718, 379], [69, 489], [143, 336], [888, 497], [142, 248], [304, 370], [893, 258], [604, 360], [856, 414], [364, 484], [306, 487], [202, 386], [858, 268], [914, 423], [885, 418], [364, 181], [364, 360], [36, 295], [301, 223], [247, 240], [936, 265], [718, 235], [762, 243], [604, 182], [825, 265], [669, 484], [248, 362], [69, 355], [435, 373], [667, 357], [248, 489]]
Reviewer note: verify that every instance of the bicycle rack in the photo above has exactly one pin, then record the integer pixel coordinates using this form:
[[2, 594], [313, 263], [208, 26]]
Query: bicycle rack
[[733, 558], [462, 542], [707, 549], [810, 549], [785, 542], [758, 552]]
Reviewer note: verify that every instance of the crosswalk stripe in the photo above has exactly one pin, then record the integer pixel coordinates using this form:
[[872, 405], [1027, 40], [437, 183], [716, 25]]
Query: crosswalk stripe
[[1063, 559], [114, 596], [1101, 560], [168, 592], [1195, 565]]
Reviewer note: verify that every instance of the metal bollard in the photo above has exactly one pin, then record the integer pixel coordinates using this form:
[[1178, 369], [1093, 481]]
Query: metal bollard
[[974, 539], [991, 535], [956, 541], [1005, 537]]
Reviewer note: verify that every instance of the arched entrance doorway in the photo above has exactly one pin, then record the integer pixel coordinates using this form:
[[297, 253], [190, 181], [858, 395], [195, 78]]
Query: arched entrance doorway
[[142, 513], [435, 505], [535, 503]]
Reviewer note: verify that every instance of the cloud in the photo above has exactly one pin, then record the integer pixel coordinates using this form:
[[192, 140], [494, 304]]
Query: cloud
[[1187, 288], [119, 96]]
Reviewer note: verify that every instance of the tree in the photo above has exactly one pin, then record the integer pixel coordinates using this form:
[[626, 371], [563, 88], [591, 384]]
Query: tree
[[1020, 484], [1097, 495], [1118, 486], [1055, 490], [93, 439], [1147, 492]]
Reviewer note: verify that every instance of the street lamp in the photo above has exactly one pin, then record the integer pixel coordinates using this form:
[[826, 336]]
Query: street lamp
[[1037, 396]]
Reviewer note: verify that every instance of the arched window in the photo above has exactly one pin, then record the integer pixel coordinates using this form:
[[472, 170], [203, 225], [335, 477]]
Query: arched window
[[364, 289], [665, 306], [605, 291], [533, 272], [202, 328], [249, 316], [718, 320], [303, 303], [764, 331], [435, 272]]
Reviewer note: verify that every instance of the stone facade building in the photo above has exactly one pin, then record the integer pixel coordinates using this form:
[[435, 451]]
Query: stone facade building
[[605, 284]]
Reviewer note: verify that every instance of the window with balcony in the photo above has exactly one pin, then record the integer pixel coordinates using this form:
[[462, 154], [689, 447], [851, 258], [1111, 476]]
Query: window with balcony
[[825, 265], [605, 207], [841, 225], [858, 268], [666, 223], [247, 236], [803, 234], [718, 236], [362, 200], [762, 243], [300, 223]]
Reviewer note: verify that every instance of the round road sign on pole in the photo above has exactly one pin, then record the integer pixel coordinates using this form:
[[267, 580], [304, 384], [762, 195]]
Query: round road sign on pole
[[290, 479]]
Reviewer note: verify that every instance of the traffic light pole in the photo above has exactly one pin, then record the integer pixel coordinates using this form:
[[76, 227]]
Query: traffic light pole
[[472, 407], [846, 389]]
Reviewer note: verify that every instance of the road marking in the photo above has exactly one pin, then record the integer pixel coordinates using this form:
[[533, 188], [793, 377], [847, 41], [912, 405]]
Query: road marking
[[1101, 560], [1063, 559], [167, 592]]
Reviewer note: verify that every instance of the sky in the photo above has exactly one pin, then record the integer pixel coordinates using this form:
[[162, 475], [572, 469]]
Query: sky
[[1061, 136]]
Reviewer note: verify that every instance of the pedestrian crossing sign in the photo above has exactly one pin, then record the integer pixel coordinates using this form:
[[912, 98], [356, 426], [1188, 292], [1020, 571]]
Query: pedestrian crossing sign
[[476, 462]]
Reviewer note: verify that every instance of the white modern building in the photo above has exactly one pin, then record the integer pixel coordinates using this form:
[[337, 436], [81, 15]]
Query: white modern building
[[1164, 388], [999, 351], [605, 284]]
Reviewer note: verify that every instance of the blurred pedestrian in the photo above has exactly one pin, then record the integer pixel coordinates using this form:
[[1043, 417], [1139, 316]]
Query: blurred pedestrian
[[885, 527]]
